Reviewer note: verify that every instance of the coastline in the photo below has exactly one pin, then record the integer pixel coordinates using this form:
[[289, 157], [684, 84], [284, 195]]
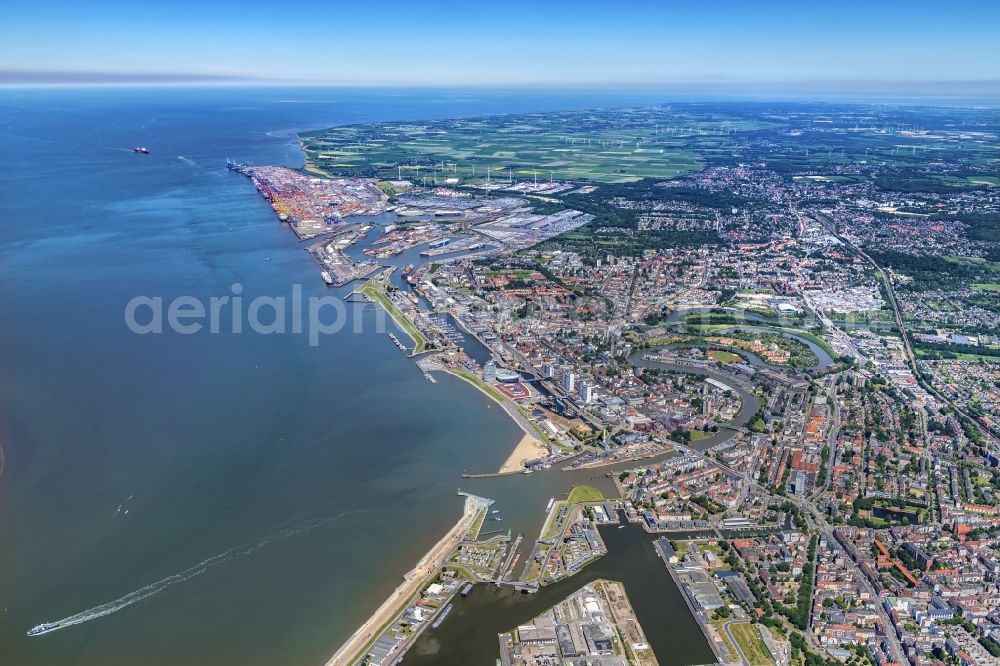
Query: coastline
[[413, 582], [527, 449], [512, 410], [376, 295], [531, 445]]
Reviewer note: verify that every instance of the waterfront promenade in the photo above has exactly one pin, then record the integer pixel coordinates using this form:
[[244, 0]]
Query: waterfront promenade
[[351, 651]]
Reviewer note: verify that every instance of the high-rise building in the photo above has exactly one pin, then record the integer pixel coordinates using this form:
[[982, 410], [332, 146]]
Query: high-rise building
[[568, 380], [586, 392]]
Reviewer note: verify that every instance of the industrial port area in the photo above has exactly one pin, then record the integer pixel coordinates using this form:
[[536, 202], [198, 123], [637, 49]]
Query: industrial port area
[[313, 206], [595, 625], [443, 222]]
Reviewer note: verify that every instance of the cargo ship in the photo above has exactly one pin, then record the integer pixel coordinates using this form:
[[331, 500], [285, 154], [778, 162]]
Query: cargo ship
[[440, 618]]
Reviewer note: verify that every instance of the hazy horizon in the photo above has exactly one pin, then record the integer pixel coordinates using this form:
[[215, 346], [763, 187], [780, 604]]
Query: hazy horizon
[[870, 90], [774, 46]]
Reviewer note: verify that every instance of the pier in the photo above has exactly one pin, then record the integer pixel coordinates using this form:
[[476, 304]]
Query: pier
[[338, 268], [490, 475]]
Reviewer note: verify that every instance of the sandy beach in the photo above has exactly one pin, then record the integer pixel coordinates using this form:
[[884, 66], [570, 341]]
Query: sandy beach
[[413, 581], [528, 448]]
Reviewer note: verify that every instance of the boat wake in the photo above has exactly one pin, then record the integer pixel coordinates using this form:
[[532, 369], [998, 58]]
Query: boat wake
[[196, 570]]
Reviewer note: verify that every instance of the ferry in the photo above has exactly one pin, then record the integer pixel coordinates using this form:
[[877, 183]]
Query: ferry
[[440, 618], [548, 507], [43, 628], [141, 149]]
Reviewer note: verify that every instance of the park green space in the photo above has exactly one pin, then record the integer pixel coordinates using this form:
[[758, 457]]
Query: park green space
[[584, 493], [751, 644], [372, 291], [724, 356]]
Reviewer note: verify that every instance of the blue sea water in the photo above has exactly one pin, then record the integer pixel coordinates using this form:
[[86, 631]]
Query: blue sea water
[[203, 499]]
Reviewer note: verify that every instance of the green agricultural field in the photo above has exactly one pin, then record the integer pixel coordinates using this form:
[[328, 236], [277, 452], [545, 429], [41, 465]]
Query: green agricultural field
[[602, 146]]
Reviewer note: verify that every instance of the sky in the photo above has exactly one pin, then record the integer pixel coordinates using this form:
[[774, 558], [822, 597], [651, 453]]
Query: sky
[[506, 42]]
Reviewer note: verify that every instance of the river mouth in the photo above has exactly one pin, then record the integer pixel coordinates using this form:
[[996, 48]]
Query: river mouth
[[470, 633], [206, 442]]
